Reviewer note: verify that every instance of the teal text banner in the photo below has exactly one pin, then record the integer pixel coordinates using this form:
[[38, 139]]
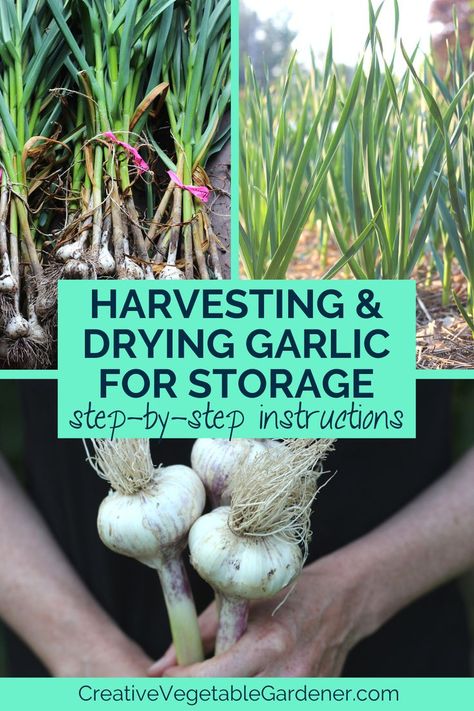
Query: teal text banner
[[81, 694], [236, 359]]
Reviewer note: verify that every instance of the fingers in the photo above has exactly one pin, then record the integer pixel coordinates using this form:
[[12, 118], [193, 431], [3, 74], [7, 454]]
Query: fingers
[[167, 660], [246, 658]]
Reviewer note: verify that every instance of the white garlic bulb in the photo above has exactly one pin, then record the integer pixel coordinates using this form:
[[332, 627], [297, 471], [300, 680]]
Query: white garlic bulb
[[105, 261], [77, 269], [170, 272], [17, 327], [217, 460], [72, 250], [238, 566], [152, 524], [8, 284]]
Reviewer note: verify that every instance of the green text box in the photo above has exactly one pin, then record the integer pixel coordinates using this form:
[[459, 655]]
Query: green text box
[[75, 694], [240, 359]]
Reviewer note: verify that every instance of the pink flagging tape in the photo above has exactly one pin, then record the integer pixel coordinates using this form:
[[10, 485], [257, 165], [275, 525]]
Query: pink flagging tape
[[199, 191], [141, 164]]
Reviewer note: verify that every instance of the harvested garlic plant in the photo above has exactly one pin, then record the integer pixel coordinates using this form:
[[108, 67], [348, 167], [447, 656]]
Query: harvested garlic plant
[[147, 516], [257, 546]]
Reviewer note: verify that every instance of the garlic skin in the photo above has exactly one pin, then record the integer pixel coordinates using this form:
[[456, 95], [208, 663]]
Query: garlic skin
[[215, 461], [152, 525], [77, 269], [8, 284], [46, 300], [170, 272], [72, 250], [105, 261], [245, 567], [129, 269], [17, 327]]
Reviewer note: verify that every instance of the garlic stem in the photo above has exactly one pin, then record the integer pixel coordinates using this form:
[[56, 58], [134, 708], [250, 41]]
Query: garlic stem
[[181, 611], [233, 615], [155, 224]]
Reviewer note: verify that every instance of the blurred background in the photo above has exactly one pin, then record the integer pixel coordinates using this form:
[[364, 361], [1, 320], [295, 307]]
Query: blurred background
[[270, 31]]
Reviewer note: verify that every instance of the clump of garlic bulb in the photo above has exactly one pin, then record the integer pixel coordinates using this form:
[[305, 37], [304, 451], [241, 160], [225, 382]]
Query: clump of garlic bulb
[[257, 546], [147, 516]]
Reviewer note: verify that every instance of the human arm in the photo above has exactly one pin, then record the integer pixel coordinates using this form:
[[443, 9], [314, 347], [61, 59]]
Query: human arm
[[44, 601], [347, 595]]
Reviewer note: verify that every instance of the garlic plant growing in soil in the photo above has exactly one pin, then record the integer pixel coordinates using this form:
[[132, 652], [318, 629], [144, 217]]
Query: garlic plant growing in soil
[[374, 166], [147, 516], [217, 460], [257, 546], [284, 163]]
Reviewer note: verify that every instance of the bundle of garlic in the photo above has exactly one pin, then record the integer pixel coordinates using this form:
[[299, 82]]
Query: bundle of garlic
[[86, 143], [257, 546], [147, 516]]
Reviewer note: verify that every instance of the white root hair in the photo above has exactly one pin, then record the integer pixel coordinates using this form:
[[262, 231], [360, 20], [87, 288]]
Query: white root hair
[[125, 463], [272, 495]]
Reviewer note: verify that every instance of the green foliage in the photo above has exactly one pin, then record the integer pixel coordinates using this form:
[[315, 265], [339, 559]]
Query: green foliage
[[384, 163]]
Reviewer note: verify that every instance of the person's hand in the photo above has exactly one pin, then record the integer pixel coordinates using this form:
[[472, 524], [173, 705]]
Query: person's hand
[[310, 635], [351, 593]]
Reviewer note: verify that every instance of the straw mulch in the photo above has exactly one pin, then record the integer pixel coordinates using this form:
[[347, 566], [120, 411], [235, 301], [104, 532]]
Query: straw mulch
[[443, 339]]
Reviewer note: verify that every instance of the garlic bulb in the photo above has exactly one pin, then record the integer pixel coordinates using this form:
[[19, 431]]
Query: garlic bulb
[[216, 461], [153, 523], [251, 568], [128, 269], [256, 547], [105, 261], [77, 269], [170, 272], [147, 516], [239, 569], [73, 249], [8, 284], [17, 327]]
